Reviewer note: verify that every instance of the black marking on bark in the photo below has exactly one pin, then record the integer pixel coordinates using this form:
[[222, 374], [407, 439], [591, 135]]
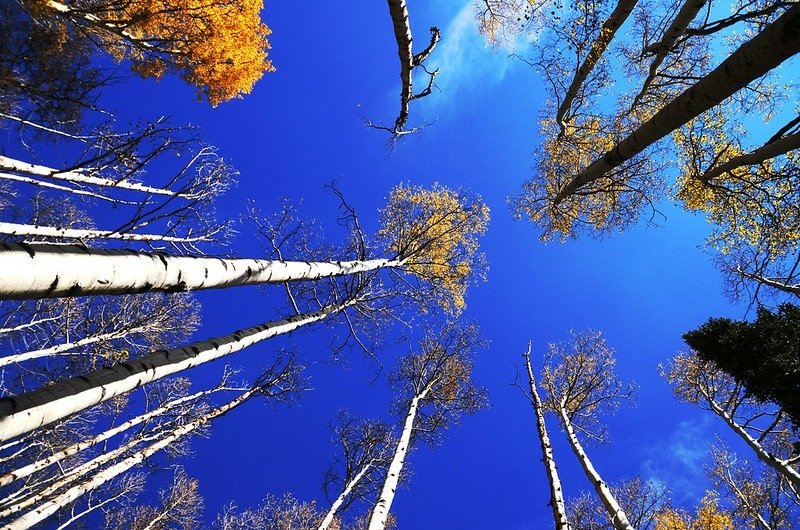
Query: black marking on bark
[[75, 289], [27, 248], [52, 286], [163, 260]]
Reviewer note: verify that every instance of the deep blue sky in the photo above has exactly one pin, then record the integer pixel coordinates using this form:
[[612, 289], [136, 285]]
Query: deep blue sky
[[302, 127]]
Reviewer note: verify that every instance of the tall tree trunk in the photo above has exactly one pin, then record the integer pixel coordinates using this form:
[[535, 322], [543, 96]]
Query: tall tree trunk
[[380, 512], [764, 52], [556, 492], [599, 46], [23, 230], [28, 411], [781, 466], [767, 151], [774, 283], [614, 510], [46, 509], [661, 49], [76, 448], [77, 177], [33, 271], [328, 519]]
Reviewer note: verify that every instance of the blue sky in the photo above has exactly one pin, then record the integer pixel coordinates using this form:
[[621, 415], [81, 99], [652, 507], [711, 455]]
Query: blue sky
[[302, 127]]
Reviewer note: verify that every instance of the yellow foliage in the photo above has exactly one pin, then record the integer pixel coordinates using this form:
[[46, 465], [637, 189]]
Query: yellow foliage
[[708, 517], [218, 46], [434, 232]]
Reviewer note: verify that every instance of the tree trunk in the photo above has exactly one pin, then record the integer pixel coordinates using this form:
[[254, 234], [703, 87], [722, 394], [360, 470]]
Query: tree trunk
[[662, 48], [77, 177], [599, 46], [53, 271], [614, 510], [326, 522], [771, 47], [402, 34], [556, 493], [774, 283], [380, 512], [86, 444], [767, 151], [26, 412], [23, 230], [781, 466], [46, 509]]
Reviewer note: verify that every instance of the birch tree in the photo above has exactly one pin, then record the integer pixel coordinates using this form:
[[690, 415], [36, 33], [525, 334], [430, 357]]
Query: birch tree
[[763, 427], [580, 382], [434, 390], [758, 498], [366, 449], [278, 382], [556, 503], [606, 190], [221, 49], [642, 501], [409, 61], [274, 513]]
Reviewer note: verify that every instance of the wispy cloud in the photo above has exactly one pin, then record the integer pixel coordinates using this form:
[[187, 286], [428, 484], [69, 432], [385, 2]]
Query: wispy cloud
[[465, 60], [677, 461]]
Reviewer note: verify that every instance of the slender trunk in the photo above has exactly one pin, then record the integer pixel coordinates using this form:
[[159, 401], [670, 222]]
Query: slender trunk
[[618, 518], [26, 412], [27, 325], [661, 49], [64, 349], [46, 509], [90, 509], [744, 498], [556, 493], [23, 230], [77, 177], [781, 466], [326, 522], [76, 448], [772, 282], [599, 46], [77, 191], [767, 151], [771, 47], [380, 512], [33, 271]]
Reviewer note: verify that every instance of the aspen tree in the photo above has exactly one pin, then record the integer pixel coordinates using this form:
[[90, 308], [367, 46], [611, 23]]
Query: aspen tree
[[761, 426], [580, 382], [434, 390], [556, 491]]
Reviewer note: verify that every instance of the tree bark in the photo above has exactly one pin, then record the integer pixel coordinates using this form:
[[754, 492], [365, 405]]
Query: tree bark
[[46, 509], [380, 512], [599, 46], [556, 492], [23, 230], [26, 412], [614, 510], [767, 50], [53, 271], [661, 49], [76, 448], [767, 151], [328, 519], [781, 466]]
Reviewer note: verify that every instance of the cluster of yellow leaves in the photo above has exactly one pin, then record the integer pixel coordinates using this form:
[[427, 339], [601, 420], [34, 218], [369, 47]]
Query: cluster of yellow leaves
[[219, 46], [754, 205], [564, 155], [434, 232], [709, 517]]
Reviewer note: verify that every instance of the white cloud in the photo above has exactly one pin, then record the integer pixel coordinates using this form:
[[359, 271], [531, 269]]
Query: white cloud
[[678, 460]]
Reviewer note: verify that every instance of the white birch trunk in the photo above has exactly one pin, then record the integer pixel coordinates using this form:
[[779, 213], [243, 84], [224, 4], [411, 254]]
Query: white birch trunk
[[77, 191], [46, 509], [380, 513], [599, 46], [76, 448], [328, 519], [29, 411], [556, 492], [767, 50], [51, 271], [614, 510], [775, 283], [23, 230], [64, 349], [77, 176], [781, 466], [767, 151]]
